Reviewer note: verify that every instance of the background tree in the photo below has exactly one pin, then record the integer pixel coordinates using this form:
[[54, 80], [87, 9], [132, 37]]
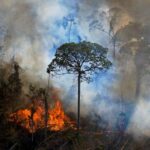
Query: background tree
[[139, 51], [112, 19], [82, 59], [135, 45], [38, 95], [69, 21], [15, 84]]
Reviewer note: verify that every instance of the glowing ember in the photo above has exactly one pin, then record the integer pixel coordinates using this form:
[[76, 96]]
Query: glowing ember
[[33, 118]]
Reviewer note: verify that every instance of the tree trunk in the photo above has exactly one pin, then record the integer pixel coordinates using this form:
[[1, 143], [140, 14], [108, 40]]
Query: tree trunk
[[70, 31], [46, 106], [46, 114], [78, 121], [138, 85], [114, 48], [31, 120]]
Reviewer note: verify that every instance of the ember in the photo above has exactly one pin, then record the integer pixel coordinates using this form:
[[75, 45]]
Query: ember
[[32, 119]]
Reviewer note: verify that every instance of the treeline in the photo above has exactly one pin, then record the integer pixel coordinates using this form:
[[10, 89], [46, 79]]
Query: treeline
[[13, 98]]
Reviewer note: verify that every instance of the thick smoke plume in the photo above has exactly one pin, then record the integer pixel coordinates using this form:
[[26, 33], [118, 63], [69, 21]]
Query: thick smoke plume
[[24, 31]]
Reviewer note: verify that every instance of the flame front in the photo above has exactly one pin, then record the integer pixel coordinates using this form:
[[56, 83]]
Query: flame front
[[33, 119]]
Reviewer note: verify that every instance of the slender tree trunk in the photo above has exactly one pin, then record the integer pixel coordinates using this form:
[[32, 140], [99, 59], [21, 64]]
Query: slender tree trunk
[[46, 106], [78, 121], [48, 84], [138, 85], [46, 114], [70, 31], [114, 48], [32, 121]]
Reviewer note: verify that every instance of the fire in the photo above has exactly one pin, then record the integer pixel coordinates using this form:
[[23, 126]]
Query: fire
[[32, 118], [57, 118]]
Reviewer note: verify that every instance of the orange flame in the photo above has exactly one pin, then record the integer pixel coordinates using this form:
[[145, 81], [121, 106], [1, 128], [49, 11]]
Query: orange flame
[[33, 119]]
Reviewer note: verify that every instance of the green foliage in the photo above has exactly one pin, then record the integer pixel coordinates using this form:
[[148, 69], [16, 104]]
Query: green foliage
[[14, 81], [84, 58]]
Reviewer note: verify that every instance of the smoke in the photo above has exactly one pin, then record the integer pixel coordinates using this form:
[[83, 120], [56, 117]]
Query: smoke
[[140, 123], [137, 9], [31, 30], [25, 27], [127, 85], [133, 61]]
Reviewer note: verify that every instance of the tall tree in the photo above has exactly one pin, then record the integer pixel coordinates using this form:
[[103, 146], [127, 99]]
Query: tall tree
[[108, 22], [139, 51], [15, 84], [135, 44], [82, 59]]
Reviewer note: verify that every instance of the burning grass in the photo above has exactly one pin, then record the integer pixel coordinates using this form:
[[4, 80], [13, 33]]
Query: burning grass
[[32, 118]]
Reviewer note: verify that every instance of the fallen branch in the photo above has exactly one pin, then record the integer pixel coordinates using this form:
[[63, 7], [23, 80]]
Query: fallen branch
[[122, 148], [63, 145], [13, 146]]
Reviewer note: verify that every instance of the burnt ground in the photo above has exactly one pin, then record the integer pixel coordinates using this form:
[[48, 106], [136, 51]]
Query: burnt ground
[[90, 137], [19, 139]]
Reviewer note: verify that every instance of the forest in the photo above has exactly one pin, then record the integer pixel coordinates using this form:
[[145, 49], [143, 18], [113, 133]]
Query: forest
[[74, 75]]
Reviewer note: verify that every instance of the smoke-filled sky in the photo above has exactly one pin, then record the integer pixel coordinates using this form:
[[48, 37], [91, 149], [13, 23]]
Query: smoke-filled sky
[[31, 31]]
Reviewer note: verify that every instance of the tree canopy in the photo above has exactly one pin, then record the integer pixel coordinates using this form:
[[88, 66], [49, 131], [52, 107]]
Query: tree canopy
[[85, 58]]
